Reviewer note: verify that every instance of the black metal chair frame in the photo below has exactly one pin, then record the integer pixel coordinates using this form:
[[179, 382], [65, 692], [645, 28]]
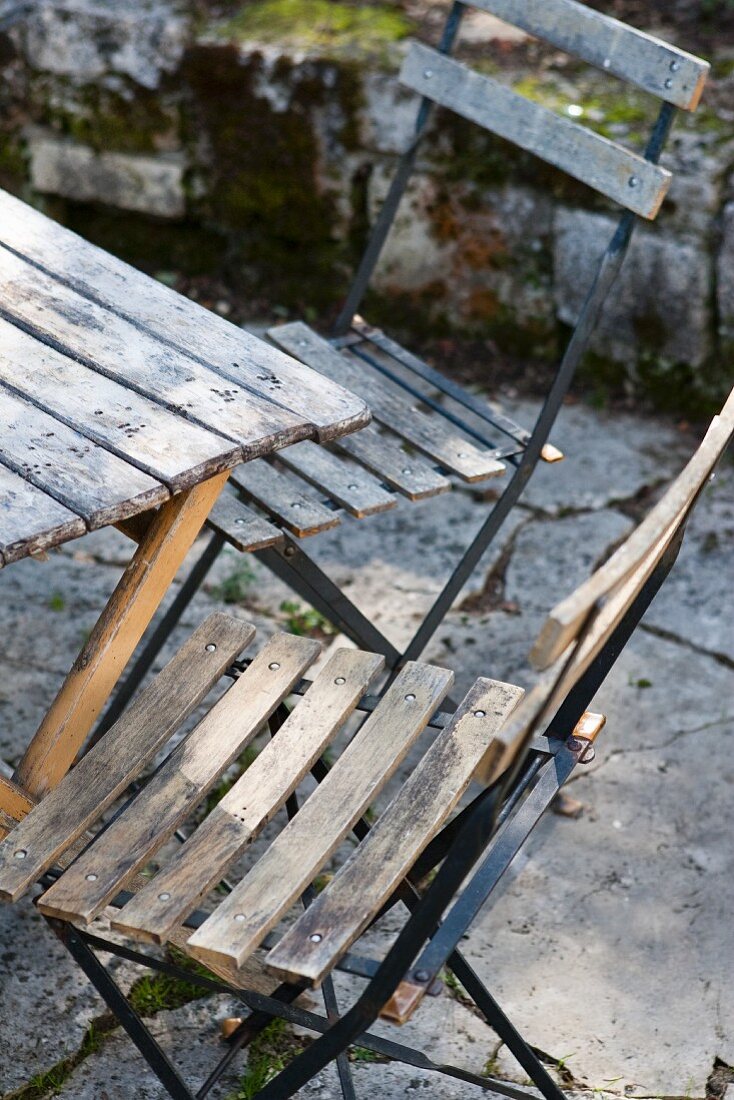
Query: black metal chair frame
[[469, 845], [291, 562]]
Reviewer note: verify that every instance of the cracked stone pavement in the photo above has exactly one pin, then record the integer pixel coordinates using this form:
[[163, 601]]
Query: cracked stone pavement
[[611, 943]]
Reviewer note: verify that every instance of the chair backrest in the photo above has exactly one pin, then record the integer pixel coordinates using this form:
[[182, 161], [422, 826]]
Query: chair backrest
[[635, 181], [585, 633]]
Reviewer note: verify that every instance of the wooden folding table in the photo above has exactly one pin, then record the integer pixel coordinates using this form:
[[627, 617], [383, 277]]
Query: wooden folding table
[[104, 420]]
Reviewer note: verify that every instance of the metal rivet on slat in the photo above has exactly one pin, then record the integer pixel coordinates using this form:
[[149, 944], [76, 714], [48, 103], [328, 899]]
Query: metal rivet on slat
[[406, 470], [340, 680], [20, 854], [210, 648], [480, 714], [674, 66], [274, 666], [91, 878], [607, 63], [428, 73], [239, 917], [410, 698], [316, 937], [239, 521], [668, 83], [633, 181], [352, 487], [165, 896], [295, 504]]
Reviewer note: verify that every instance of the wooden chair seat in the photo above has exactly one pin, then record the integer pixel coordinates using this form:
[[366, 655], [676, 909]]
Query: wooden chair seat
[[138, 830]]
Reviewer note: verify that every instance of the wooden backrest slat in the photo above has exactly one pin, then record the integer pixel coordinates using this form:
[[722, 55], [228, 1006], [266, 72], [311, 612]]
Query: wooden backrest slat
[[340, 914], [621, 175], [105, 771], [653, 65], [253, 800], [567, 618], [182, 781], [295, 857]]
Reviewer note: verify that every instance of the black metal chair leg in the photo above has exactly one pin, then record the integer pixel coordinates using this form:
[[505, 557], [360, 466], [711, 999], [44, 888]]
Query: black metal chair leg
[[115, 1000], [504, 1028], [301, 573]]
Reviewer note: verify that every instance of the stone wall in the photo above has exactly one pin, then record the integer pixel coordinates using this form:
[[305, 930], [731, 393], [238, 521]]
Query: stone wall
[[254, 145]]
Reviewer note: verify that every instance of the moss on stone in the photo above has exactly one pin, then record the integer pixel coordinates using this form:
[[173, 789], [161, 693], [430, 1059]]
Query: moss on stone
[[262, 179], [328, 26], [128, 120], [148, 243]]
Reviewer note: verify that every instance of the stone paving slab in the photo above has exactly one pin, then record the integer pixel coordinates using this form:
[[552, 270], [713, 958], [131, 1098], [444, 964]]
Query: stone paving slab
[[611, 942]]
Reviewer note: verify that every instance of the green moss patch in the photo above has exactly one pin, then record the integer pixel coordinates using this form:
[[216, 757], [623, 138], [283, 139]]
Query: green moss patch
[[324, 25]]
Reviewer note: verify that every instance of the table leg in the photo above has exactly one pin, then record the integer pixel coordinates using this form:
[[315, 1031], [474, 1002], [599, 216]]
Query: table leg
[[14, 804], [163, 547]]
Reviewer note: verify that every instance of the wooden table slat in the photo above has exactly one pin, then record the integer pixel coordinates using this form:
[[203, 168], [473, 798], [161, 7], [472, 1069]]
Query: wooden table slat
[[31, 520], [134, 428], [269, 376], [84, 477]]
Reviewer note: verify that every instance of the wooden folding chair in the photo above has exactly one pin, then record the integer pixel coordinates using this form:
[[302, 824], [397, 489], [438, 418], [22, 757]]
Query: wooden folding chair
[[428, 431], [89, 840]]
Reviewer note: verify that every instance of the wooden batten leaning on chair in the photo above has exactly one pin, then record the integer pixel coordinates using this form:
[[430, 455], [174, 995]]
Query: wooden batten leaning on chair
[[429, 432], [522, 750]]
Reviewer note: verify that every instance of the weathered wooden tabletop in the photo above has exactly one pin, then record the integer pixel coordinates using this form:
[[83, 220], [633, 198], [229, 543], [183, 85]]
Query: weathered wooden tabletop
[[116, 392]]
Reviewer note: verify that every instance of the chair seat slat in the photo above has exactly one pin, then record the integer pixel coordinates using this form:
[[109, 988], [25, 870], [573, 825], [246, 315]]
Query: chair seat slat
[[469, 400], [335, 919], [181, 782], [621, 175], [295, 857], [390, 405], [639, 58], [243, 528], [288, 499], [106, 770], [353, 488], [382, 453], [253, 800]]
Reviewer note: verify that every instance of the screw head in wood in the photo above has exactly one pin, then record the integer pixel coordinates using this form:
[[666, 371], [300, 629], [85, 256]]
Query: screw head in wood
[[91, 877], [480, 714], [340, 680], [165, 896], [239, 917], [210, 647], [21, 853], [274, 666], [421, 975], [410, 697], [316, 937], [633, 181]]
